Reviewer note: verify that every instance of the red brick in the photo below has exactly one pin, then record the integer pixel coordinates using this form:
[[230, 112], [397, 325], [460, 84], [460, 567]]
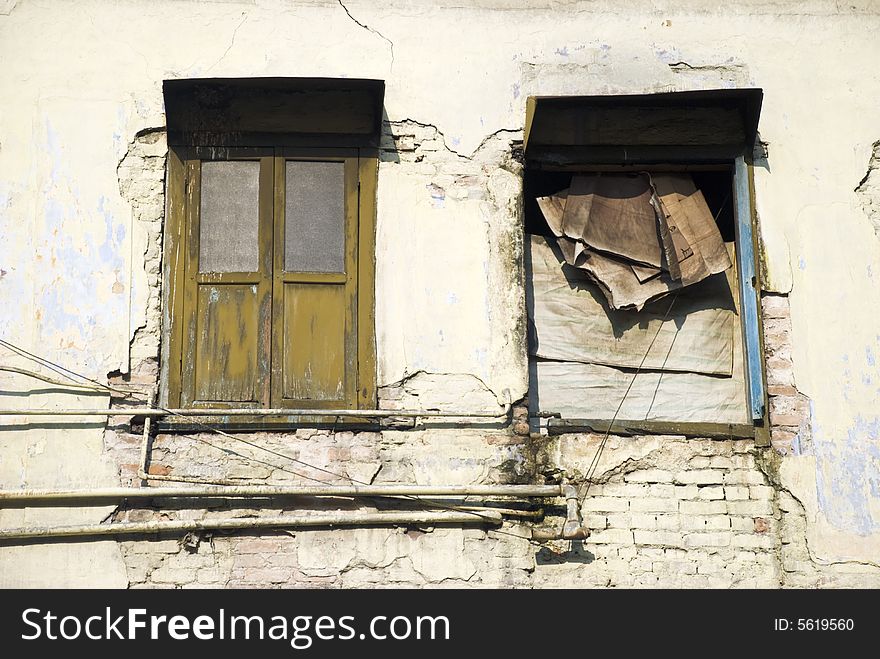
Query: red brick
[[781, 390]]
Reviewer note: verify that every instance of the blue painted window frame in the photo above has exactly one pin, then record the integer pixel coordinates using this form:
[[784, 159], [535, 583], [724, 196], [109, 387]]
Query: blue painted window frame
[[748, 288]]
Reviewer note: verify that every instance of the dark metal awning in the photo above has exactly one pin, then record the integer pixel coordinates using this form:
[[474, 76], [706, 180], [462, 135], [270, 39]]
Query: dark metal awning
[[639, 126], [274, 111]]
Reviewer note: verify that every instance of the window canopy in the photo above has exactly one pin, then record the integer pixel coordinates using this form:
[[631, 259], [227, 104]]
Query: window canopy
[[690, 125], [274, 111]]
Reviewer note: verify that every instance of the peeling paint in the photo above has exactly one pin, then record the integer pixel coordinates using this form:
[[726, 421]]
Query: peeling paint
[[848, 475], [868, 188]]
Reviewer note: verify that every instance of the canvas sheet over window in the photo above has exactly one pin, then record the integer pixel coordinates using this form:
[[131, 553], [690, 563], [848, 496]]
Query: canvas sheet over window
[[584, 353], [638, 236]]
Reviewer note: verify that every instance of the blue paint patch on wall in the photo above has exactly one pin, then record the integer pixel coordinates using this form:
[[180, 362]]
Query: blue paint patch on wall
[[82, 249], [53, 147], [438, 195], [849, 470], [480, 357], [113, 238], [667, 55], [15, 284], [117, 134]]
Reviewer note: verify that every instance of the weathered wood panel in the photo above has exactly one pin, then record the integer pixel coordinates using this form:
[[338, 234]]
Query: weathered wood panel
[[227, 338], [227, 344], [314, 345]]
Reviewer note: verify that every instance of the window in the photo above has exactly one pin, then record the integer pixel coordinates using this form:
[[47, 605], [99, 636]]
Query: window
[[620, 328], [269, 244]]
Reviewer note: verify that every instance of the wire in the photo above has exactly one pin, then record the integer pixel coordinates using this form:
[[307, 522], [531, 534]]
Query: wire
[[588, 478], [253, 459], [660, 376], [45, 378], [427, 504], [595, 461], [64, 372]]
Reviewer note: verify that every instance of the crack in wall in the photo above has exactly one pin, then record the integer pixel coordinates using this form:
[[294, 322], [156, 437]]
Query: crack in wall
[[403, 123], [868, 188], [402, 382], [728, 74], [768, 462], [726, 68], [626, 467], [370, 29], [410, 378], [244, 18]]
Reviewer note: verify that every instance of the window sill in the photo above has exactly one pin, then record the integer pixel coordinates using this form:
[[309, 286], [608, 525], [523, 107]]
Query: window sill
[[623, 427], [259, 423]]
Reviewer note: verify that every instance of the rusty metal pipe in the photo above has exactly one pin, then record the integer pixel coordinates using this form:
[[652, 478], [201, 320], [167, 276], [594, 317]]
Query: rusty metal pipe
[[145, 443], [282, 521], [573, 528], [245, 491], [153, 412]]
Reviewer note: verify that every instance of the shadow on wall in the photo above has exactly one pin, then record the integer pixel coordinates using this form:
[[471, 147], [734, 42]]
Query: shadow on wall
[[388, 151], [576, 553], [50, 425]]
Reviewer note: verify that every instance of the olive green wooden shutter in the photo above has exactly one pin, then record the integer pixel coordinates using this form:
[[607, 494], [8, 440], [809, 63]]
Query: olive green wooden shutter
[[314, 348], [228, 282]]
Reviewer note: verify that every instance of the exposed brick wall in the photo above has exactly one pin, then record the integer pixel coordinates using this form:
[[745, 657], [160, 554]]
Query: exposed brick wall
[[141, 174], [789, 409], [671, 512], [665, 512]]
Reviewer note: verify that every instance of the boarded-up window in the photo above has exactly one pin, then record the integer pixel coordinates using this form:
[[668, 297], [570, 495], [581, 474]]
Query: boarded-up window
[[632, 297], [642, 290]]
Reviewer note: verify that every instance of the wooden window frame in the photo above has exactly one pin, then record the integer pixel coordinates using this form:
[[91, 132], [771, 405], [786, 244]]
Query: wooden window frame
[[181, 258], [748, 285], [580, 145]]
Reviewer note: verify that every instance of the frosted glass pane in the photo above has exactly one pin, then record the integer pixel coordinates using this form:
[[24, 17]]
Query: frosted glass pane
[[229, 217], [314, 235]]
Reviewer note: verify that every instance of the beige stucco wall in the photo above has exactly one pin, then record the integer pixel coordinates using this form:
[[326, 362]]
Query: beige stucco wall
[[79, 80]]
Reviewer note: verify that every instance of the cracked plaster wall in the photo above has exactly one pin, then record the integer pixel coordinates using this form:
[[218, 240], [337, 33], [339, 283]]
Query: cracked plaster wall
[[79, 178]]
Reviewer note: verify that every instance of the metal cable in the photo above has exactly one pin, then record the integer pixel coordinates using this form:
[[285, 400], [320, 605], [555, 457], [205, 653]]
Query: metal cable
[[427, 504], [64, 372], [58, 383], [595, 462]]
